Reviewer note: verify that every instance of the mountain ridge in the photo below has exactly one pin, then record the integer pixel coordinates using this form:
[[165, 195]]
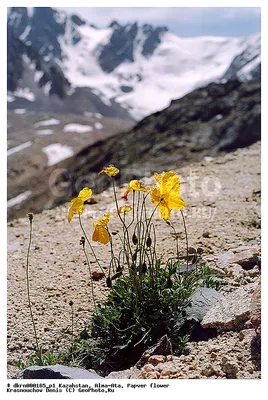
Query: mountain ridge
[[136, 69]]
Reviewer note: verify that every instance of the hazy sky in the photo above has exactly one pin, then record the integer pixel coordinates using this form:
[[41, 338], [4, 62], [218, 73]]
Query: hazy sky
[[184, 21]]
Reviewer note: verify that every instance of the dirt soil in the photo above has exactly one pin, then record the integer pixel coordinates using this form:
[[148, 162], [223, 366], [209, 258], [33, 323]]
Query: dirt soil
[[222, 213]]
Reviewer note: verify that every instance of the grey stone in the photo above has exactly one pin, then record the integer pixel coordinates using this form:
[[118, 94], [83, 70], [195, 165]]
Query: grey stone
[[232, 311], [201, 301], [246, 256], [57, 372]]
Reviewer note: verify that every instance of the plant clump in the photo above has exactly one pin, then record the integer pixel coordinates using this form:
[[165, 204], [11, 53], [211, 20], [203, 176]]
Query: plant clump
[[148, 297]]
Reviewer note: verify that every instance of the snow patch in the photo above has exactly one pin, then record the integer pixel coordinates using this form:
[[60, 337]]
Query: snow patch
[[60, 17], [18, 148], [78, 128], [20, 111], [245, 72], [91, 114], [98, 125], [88, 114], [10, 98], [208, 159], [98, 115], [19, 199], [45, 132], [57, 152], [30, 11], [38, 75], [48, 122], [26, 32], [47, 88], [24, 93]]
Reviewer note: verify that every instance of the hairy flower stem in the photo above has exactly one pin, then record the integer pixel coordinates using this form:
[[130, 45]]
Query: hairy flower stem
[[143, 206], [72, 332], [147, 231], [90, 276], [177, 242], [186, 238], [133, 211], [91, 248], [119, 215], [27, 279]]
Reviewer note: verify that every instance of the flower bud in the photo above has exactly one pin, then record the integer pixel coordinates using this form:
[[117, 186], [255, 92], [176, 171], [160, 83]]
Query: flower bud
[[30, 216], [134, 239], [109, 282], [149, 242]]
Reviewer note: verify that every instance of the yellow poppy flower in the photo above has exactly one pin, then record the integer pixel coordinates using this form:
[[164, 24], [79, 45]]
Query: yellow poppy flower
[[85, 194], [166, 193], [110, 170], [135, 185], [78, 203], [123, 210], [100, 233]]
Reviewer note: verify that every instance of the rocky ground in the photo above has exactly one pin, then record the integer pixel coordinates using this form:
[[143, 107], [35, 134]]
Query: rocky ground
[[222, 216]]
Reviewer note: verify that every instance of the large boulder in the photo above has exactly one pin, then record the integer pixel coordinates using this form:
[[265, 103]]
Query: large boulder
[[201, 301], [232, 311]]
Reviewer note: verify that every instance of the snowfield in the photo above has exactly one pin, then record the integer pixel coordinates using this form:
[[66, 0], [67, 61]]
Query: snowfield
[[77, 128], [18, 148], [57, 152], [177, 66], [141, 82]]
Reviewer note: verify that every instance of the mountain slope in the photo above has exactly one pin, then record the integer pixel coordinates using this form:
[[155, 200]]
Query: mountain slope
[[137, 68], [220, 117], [59, 273]]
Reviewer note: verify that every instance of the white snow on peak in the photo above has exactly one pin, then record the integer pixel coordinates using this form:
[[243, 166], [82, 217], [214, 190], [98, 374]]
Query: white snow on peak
[[19, 199], [47, 88], [30, 11], [57, 152], [77, 128], [48, 122], [60, 17], [38, 75], [24, 93], [48, 57], [80, 61], [18, 148], [177, 66], [10, 98], [245, 72], [26, 32], [45, 132]]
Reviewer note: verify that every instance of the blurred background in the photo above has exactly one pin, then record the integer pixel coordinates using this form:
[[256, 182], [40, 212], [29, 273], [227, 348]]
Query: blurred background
[[145, 88]]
